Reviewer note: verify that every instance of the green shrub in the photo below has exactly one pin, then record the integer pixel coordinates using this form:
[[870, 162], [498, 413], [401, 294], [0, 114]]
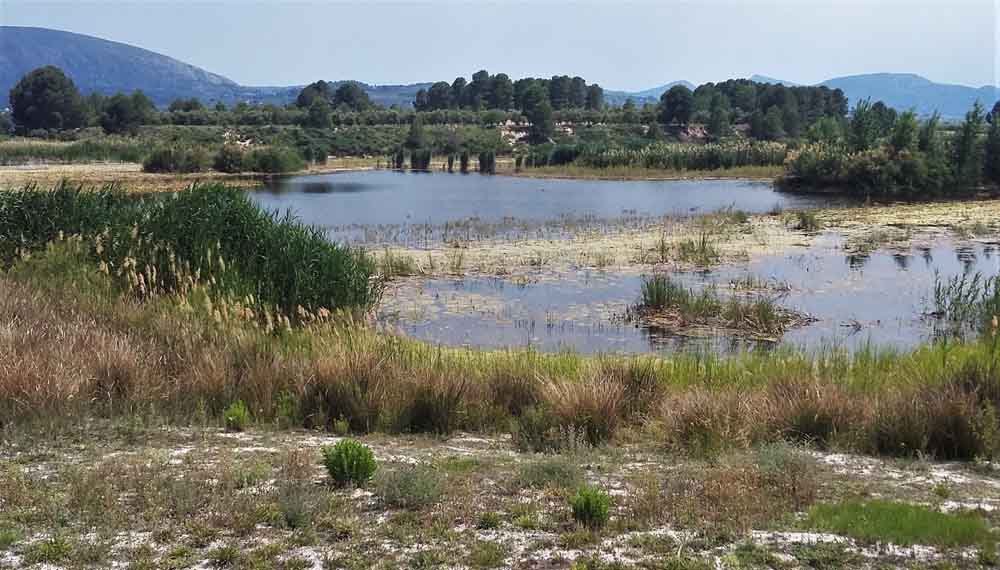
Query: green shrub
[[237, 416], [230, 159], [487, 521], [349, 461], [274, 160], [411, 487], [177, 159], [591, 506]]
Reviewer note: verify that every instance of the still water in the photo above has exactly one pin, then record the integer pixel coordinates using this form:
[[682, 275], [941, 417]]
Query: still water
[[407, 207]]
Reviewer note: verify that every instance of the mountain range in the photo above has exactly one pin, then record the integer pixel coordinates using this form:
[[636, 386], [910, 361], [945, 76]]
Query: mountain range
[[99, 65]]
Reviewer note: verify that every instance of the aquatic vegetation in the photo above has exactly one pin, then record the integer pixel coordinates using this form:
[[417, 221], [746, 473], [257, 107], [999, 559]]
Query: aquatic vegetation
[[965, 303], [392, 264], [666, 303], [699, 251], [807, 222]]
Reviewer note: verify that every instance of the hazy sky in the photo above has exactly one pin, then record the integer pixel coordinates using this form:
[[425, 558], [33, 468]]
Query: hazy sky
[[621, 45]]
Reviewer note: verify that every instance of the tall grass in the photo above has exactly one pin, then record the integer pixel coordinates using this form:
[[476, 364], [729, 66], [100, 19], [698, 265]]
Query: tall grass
[[662, 296], [23, 151], [965, 304], [677, 156], [205, 234]]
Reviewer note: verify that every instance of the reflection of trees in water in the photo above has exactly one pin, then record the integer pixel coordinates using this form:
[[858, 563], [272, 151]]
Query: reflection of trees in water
[[902, 260], [966, 255], [858, 260], [925, 253]]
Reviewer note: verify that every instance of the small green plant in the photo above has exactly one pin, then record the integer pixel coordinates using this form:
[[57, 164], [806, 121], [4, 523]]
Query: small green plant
[[591, 506], [9, 536], [807, 222], [49, 551], [224, 556], [237, 416], [556, 471], [349, 461], [411, 487], [487, 521], [487, 555]]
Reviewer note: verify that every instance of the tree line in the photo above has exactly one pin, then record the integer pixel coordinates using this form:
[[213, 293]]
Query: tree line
[[498, 91]]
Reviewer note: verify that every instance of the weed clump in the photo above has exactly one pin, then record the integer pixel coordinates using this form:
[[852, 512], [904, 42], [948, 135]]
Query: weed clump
[[349, 462], [591, 507], [236, 416], [178, 159], [410, 487]]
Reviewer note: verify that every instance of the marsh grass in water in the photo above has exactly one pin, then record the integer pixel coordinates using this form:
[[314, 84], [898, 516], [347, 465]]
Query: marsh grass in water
[[965, 304], [665, 302]]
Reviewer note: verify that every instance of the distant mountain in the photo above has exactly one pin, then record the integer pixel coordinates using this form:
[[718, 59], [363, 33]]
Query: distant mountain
[[656, 92], [905, 91], [766, 79], [104, 66]]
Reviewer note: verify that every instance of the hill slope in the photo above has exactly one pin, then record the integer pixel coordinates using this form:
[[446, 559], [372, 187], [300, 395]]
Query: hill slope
[[104, 66]]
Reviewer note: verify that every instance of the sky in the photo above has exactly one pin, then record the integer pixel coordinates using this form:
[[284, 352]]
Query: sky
[[619, 44]]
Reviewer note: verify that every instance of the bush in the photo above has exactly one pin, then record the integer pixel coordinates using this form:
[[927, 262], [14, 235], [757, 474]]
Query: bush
[[590, 507], [230, 159], [349, 461], [411, 487], [274, 160], [237, 416], [176, 159]]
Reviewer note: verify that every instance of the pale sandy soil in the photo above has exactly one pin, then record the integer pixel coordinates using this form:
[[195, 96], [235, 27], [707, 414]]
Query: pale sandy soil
[[360, 531]]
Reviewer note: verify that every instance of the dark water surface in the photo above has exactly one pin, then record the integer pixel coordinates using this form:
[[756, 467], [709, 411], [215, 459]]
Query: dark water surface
[[404, 207]]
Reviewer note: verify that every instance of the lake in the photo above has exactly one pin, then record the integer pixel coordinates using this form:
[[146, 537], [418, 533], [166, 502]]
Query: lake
[[879, 297], [386, 206]]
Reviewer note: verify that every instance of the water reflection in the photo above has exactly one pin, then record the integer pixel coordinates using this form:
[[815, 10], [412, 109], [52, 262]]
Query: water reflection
[[412, 208]]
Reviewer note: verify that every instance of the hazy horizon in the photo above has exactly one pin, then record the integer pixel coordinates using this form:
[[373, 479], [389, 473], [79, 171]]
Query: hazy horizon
[[623, 46]]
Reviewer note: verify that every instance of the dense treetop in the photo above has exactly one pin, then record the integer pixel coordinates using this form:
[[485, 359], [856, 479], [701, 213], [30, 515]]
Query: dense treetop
[[47, 99], [498, 91]]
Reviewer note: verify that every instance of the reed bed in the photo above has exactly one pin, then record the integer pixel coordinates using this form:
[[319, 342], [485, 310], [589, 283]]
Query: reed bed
[[209, 234], [682, 157], [111, 149]]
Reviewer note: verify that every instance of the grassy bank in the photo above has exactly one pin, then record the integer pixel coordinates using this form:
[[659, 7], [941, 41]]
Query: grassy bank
[[87, 348]]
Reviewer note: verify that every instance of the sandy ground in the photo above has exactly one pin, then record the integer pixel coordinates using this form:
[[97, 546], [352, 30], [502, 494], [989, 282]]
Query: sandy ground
[[478, 471]]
